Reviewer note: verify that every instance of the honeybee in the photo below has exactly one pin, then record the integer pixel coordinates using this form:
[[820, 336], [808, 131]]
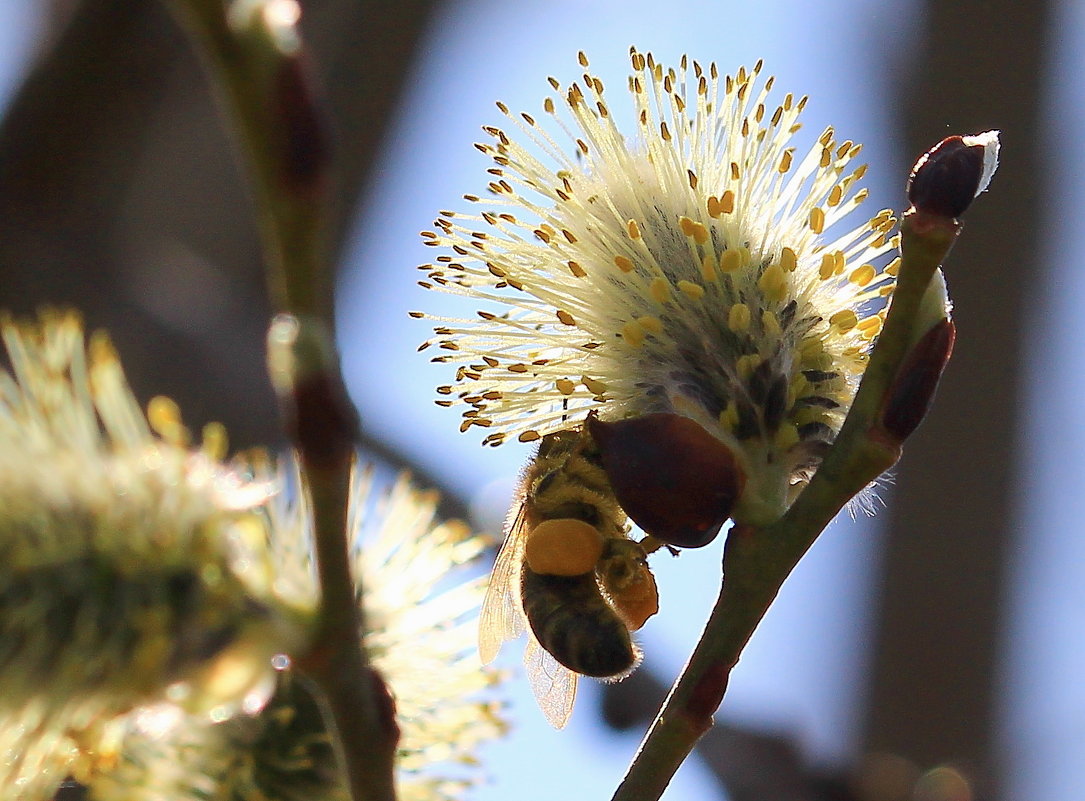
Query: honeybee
[[569, 574]]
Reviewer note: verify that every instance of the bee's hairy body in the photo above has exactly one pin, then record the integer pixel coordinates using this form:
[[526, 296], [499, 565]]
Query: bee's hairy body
[[571, 620], [567, 480], [569, 573], [568, 614]]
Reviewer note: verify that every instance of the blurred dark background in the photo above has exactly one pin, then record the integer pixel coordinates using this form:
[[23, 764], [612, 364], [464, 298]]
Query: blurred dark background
[[120, 195]]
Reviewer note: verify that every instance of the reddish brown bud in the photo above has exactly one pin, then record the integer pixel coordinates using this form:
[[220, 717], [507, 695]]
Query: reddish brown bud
[[913, 389], [321, 421], [674, 479], [303, 126], [948, 176]]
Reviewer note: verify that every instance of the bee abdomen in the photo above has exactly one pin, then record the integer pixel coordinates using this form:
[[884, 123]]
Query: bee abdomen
[[575, 625]]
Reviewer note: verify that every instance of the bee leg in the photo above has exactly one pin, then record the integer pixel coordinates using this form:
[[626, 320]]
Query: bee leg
[[650, 545]]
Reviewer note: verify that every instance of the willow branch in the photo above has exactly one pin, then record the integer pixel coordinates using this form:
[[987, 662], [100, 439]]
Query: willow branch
[[757, 561], [257, 62]]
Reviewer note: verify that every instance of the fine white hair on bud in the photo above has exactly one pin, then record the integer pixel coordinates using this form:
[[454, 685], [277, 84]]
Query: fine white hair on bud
[[988, 140], [420, 619], [125, 561], [701, 265]]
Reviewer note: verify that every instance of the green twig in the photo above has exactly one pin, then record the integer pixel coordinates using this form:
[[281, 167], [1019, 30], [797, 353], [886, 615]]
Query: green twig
[[757, 561], [257, 63]]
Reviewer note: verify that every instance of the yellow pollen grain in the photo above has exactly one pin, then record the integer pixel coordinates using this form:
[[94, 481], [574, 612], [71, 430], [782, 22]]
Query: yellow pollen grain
[[708, 267], [870, 327], [844, 320], [773, 282], [694, 229], [729, 416], [893, 267], [809, 414], [745, 365], [548, 105], [730, 260], [653, 325], [836, 194], [517, 368], [798, 386], [692, 177], [770, 323], [633, 229], [827, 267], [714, 210], [576, 269], [817, 220], [692, 290], [867, 323], [727, 202], [529, 436], [565, 386], [786, 437], [164, 415], [623, 264], [738, 318], [862, 275], [811, 348], [594, 386], [789, 260], [839, 262], [664, 132], [634, 333], [785, 161], [660, 290], [565, 317], [735, 172]]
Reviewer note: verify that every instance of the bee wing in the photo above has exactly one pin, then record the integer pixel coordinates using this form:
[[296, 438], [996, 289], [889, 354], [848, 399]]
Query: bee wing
[[502, 616], [554, 685]]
